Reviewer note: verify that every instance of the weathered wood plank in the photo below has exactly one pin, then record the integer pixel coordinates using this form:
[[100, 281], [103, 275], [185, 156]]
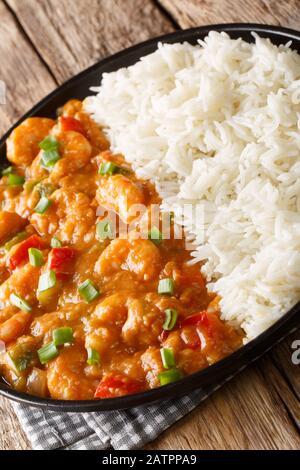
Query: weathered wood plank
[[251, 412], [26, 79], [71, 36], [260, 405], [189, 13]]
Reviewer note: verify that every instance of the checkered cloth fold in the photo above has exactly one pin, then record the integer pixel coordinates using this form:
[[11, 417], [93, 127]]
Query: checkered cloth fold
[[120, 430]]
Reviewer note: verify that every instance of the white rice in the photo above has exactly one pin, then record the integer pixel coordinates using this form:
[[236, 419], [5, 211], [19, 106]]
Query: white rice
[[218, 124]]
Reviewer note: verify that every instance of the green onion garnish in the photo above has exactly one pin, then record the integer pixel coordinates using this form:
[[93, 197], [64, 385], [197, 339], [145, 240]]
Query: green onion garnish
[[35, 257], [170, 319], [55, 243], [62, 336], [47, 353], [88, 291], [49, 158], [93, 357], [155, 235], [16, 239], [15, 180], [107, 168], [20, 363], [47, 281], [169, 376], [166, 286], [49, 143], [50, 153], [104, 230], [17, 301], [8, 171], [43, 204], [29, 185], [45, 189], [167, 357]]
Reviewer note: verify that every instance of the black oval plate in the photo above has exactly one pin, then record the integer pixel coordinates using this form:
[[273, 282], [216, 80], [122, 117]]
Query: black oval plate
[[78, 87]]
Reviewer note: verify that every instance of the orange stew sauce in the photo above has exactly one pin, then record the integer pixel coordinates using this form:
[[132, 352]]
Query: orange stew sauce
[[85, 313]]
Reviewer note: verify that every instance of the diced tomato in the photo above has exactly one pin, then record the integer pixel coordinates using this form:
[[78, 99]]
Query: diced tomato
[[20, 253], [117, 385], [60, 261], [68, 123]]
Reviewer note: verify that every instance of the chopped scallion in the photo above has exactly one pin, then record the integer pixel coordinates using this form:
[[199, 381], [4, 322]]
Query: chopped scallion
[[16, 239], [167, 357], [47, 353], [20, 363], [49, 158], [107, 168], [15, 180], [166, 286], [169, 376], [35, 257], [47, 281], [62, 336], [155, 235], [43, 204], [8, 171], [93, 357], [170, 319], [88, 291], [19, 302], [55, 243], [49, 143], [104, 230]]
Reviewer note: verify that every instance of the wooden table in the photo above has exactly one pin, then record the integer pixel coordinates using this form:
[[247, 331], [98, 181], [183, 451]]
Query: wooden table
[[44, 42]]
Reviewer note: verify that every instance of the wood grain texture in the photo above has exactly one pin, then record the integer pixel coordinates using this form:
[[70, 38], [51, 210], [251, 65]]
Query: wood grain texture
[[256, 410], [189, 13], [26, 79], [47, 41], [71, 36]]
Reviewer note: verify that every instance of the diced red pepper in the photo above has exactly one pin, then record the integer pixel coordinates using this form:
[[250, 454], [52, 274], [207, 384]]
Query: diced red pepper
[[208, 323], [20, 253], [60, 261], [68, 123], [196, 319], [163, 336], [118, 385], [190, 337]]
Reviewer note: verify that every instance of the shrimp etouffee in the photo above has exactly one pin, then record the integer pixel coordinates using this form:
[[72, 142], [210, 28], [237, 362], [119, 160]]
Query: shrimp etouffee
[[86, 313]]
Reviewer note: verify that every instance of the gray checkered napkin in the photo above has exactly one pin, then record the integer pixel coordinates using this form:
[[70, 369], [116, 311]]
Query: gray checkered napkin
[[121, 430]]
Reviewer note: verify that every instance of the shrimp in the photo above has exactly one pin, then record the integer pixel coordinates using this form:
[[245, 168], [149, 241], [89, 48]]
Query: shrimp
[[10, 223], [144, 323], [75, 151], [22, 144], [71, 108], [139, 256], [120, 193], [18, 283], [43, 325], [152, 365], [14, 326], [66, 378], [93, 132], [112, 311], [70, 217]]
